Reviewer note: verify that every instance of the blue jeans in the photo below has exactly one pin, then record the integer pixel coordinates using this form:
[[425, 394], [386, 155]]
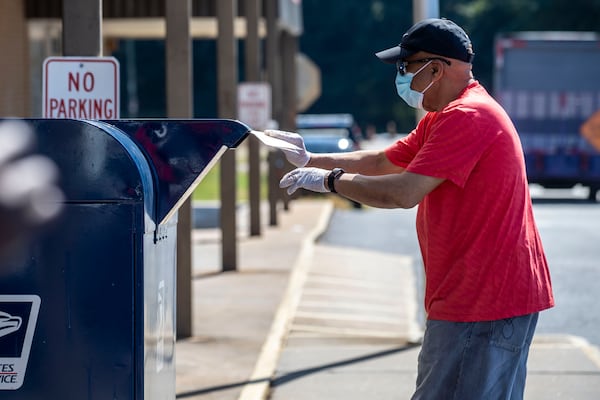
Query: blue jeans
[[475, 360]]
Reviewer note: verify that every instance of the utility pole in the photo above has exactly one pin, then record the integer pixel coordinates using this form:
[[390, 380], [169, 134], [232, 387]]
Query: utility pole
[[423, 9]]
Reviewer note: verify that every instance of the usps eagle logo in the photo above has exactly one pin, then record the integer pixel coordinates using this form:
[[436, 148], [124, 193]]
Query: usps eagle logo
[[9, 324]]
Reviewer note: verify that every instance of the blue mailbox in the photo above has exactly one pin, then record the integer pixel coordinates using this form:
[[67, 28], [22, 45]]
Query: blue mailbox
[[90, 312]]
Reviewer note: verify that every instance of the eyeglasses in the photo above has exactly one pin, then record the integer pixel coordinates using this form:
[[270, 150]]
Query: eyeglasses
[[401, 65]]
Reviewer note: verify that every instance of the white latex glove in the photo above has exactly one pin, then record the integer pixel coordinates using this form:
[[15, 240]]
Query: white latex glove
[[297, 157], [307, 178]]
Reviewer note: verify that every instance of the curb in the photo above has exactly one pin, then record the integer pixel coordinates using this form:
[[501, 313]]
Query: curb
[[258, 384], [569, 341]]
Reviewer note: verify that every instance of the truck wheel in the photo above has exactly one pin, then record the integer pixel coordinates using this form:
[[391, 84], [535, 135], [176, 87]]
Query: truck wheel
[[593, 192], [355, 204]]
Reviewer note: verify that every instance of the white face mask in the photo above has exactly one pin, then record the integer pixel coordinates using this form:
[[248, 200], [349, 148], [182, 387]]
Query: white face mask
[[410, 96]]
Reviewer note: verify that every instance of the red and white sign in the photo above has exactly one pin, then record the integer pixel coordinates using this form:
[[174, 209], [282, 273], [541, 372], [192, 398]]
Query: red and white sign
[[254, 104], [81, 87]]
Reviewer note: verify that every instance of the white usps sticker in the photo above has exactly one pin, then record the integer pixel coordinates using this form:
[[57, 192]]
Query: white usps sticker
[[18, 317]]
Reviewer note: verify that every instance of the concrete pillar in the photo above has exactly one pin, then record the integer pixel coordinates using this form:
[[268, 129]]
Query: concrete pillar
[[253, 74], [82, 28], [227, 79], [289, 49], [178, 51], [274, 77], [14, 63]]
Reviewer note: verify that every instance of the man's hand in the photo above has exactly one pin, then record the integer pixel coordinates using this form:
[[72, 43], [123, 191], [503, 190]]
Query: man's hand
[[299, 158], [306, 178]]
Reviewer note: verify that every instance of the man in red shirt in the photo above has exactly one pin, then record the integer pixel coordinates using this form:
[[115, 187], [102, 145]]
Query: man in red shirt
[[486, 273]]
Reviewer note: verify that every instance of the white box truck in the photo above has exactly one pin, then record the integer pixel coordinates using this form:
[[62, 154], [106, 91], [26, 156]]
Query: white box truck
[[549, 83]]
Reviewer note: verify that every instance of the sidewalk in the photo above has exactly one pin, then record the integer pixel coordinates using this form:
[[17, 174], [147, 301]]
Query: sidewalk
[[237, 313], [302, 320]]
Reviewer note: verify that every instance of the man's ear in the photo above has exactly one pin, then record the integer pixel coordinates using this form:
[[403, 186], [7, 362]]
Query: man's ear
[[435, 72], [436, 68]]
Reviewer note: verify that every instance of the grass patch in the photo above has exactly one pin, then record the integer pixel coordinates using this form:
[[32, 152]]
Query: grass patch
[[210, 187]]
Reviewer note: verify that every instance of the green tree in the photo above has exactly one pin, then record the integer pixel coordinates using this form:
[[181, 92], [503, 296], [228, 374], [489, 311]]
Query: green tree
[[342, 37], [484, 19]]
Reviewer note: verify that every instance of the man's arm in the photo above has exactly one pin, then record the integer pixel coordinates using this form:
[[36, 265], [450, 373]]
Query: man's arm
[[364, 162], [397, 190], [371, 178]]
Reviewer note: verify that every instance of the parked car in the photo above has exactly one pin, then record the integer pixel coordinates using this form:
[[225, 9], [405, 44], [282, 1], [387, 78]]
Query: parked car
[[327, 133]]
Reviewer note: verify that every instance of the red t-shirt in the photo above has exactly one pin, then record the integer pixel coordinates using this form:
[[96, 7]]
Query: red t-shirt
[[481, 248]]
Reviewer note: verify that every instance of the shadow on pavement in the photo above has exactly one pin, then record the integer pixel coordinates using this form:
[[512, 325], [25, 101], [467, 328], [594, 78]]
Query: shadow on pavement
[[218, 388], [559, 200], [290, 376]]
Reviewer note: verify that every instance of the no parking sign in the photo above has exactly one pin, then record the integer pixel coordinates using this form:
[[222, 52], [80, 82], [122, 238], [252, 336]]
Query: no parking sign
[[254, 104], [81, 87]]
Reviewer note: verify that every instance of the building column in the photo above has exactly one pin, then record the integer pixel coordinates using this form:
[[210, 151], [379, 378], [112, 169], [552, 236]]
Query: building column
[[253, 74], [227, 81], [178, 51], [14, 63]]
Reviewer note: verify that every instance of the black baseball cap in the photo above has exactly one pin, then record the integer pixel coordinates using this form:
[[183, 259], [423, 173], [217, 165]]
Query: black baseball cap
[[434, 35]]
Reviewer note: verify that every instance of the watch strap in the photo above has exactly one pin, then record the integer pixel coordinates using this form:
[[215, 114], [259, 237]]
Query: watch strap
[[332, 177]]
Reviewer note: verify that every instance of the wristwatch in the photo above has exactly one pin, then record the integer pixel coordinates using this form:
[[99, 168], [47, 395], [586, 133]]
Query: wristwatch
[[332, 177]]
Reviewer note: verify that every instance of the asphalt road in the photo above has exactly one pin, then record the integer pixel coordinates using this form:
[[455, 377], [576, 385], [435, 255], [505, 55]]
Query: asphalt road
[[570, 233]]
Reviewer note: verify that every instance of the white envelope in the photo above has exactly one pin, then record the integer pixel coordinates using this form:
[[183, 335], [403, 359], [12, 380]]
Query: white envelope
[[274, 142]]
